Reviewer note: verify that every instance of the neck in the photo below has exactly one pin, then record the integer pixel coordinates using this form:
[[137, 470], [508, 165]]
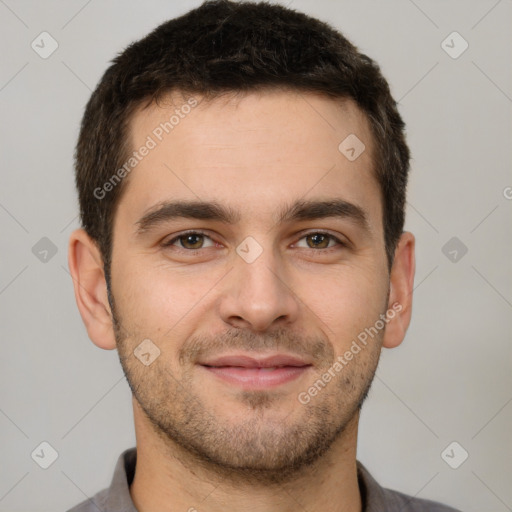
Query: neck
[[167, 477]]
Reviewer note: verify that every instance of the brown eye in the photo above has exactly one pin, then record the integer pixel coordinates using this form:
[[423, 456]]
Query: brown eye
[[190, 241], [318, 240]]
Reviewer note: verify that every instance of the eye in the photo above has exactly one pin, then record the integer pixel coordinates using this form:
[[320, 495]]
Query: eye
[[192, 240], [196, 240], [320, 240]]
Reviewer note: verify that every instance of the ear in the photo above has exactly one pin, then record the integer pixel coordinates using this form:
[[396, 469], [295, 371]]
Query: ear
[[86, 267], [400, 292]]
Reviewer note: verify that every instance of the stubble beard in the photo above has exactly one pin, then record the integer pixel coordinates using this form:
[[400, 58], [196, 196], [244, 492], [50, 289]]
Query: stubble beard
[[262, 448]]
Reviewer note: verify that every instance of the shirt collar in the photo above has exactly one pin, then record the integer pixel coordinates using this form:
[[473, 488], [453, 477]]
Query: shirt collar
[[118, 498], [373, 496]]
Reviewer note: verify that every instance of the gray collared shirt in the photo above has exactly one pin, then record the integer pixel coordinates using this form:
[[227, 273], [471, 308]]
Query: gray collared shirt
[[374, 497]]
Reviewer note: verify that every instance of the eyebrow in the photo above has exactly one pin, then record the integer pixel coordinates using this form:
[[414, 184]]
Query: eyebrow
[[214, 211]]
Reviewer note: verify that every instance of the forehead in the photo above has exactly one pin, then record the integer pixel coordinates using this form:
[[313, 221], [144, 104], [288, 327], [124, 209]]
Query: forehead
[[251, 117], [254, 151]]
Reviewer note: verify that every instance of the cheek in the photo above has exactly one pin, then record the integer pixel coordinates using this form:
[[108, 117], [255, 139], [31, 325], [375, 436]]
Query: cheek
[[156, 299], [346, 302]]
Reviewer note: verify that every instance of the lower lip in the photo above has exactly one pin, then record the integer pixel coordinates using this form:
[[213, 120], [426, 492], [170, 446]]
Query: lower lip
[[257, 378]]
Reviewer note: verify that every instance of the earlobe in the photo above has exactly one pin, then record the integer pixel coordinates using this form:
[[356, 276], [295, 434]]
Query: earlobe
[[86, 268], [401, 288]]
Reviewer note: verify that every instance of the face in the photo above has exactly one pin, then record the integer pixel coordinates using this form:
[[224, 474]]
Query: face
[[249, 250]]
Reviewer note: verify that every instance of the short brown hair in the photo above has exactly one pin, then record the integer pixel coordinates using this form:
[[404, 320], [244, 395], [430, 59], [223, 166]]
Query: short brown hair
[[220, 47]]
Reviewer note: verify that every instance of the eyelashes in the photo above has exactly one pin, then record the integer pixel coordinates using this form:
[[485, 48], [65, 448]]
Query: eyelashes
[[198, 237]]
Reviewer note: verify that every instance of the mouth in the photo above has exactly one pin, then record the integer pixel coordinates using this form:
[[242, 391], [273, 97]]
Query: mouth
[[257, 372]]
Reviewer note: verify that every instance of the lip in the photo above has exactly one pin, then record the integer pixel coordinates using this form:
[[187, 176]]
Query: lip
[[257, 371], [256, 361]]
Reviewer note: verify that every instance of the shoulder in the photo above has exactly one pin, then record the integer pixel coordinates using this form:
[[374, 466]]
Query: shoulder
[[115, 498], [404, 503], [376, 498], [94, 504]]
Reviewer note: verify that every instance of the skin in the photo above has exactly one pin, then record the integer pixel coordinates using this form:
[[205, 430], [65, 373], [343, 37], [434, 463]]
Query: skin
[[200, 442]]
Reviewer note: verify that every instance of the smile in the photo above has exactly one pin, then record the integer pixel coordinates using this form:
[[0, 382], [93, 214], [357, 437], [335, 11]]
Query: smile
[[249, 372]]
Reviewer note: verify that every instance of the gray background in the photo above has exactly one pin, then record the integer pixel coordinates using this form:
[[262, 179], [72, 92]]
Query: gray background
[[451, 380]]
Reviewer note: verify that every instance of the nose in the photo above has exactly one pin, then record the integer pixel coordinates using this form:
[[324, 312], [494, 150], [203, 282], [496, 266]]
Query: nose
[[259, 295]]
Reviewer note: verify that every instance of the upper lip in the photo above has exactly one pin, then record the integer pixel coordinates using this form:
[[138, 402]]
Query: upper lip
[[256, 361]]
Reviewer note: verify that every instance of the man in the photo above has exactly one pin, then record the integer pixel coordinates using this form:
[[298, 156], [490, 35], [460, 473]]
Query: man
[[241, 174]]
